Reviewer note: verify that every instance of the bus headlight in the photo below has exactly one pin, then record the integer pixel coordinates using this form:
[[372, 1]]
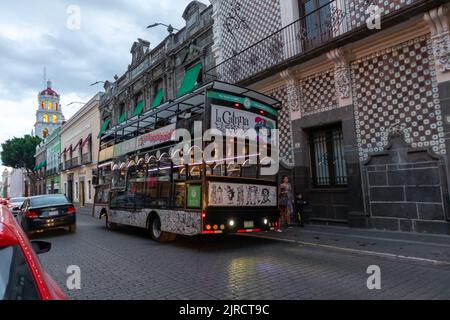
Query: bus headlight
[[266, 221], [231, 223]]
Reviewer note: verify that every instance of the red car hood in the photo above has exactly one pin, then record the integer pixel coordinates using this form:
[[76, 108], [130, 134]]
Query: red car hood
[[12, 234]]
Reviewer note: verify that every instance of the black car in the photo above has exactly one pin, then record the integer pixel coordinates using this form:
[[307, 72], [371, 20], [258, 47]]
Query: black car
[[47, 212], [15, 204]]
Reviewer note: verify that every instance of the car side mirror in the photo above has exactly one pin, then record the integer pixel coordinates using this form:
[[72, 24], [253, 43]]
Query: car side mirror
[[41, 247]]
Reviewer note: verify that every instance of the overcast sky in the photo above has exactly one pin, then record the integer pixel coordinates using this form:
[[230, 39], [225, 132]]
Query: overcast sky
[[34, 34]]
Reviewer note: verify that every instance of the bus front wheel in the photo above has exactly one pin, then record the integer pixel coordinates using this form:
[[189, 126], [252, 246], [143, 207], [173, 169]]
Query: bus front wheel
[[110, 225], [157, 234]]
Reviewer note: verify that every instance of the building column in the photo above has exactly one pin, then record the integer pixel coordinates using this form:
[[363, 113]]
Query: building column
[[438, 22], [357, 217]]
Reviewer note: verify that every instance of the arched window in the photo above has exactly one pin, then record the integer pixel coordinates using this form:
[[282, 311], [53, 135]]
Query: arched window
[[45, 117], [55, 118], [45, 133], [56, 106], [50, 105], [43, 105]]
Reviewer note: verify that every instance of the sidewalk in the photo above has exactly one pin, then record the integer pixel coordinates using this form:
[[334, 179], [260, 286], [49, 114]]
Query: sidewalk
[[86, 210], [408, 246]]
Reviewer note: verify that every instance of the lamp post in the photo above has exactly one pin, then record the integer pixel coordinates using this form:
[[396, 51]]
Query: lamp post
[[169, 27], [75, 102], [97, 82]]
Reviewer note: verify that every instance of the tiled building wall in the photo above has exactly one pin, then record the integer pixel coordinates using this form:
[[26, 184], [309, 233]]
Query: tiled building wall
[[359, 12], [244, 22], [398, 86], [285, 126], [318, 93]]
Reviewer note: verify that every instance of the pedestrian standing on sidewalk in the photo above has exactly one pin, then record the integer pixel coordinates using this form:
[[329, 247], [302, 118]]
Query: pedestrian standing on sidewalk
[[300, 204], [286, 202]]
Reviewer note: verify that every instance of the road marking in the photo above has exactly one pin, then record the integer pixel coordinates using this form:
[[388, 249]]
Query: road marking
[[357, 251], [377, 238]]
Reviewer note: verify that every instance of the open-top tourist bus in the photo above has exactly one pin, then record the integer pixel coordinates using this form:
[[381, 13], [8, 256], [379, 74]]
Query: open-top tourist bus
[[139, 183]]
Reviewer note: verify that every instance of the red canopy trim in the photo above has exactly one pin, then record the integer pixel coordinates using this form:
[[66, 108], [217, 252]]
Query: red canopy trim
[[86, 140]]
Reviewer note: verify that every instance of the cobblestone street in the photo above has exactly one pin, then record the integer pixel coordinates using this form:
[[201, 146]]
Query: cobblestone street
[[126, 264]]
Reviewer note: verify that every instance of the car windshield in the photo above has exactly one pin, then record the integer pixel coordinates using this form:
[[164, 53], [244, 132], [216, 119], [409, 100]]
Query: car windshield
[[17, 200], [48, 201], [16, 280]]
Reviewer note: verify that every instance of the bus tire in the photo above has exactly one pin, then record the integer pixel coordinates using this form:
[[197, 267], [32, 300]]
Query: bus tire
[[156, 233], [110, 225]]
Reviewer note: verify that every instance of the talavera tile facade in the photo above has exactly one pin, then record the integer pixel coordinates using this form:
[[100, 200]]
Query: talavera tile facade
[[375, 100], [398, 86]]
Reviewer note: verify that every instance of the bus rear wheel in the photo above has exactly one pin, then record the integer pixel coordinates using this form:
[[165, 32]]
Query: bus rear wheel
[[157, 234]]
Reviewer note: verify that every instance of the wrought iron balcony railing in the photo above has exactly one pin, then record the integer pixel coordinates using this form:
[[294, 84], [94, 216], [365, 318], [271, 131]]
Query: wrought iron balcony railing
[[328, 22]]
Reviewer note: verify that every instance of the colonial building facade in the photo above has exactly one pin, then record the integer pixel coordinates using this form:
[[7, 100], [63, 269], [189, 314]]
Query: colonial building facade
[[39, 173], [79, 153], [53, 149], [365, 87], [169, 70]]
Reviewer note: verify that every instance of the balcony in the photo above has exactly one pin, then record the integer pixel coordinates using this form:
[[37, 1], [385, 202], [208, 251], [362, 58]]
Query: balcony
[[332, 25], [86, 159]]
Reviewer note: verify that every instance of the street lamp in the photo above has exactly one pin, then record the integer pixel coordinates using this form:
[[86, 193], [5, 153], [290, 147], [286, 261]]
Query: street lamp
[[170, 28], [97, 82], [75, 102]]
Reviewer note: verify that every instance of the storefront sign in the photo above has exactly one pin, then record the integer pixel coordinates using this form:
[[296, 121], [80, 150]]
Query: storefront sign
[[235, 122], [106, 154], [156, 137], [222, 194]]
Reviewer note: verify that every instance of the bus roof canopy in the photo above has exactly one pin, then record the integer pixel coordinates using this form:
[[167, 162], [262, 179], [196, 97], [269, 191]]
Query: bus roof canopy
[[192, 101]]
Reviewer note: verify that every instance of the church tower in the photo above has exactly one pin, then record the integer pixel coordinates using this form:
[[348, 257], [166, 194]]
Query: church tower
[[49, 114]]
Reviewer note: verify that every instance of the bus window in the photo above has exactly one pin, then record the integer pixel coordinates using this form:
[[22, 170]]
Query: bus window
[[180, 194], [118, 199], [140, 185], [164, 185], [104, 175], [118, 178], [101, 195], [233, 170], [179, 173], [151, 185], [210, 169], [266, 164], [249, 170], [195, 172]]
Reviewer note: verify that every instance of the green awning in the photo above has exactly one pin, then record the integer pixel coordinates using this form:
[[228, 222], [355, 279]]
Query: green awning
[[139, 108], [123, 117], [40, 165], [104, 127], [159, 97], [190, 79]]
